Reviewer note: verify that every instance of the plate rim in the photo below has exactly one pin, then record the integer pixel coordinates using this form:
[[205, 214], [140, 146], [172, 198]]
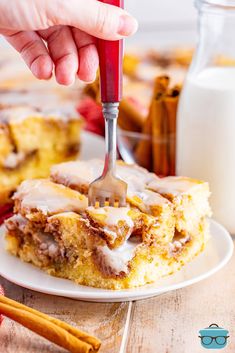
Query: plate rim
[[126, 294]]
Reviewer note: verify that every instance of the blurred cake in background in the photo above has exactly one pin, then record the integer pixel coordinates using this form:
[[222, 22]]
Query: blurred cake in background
[[39, 125], [31, 140]]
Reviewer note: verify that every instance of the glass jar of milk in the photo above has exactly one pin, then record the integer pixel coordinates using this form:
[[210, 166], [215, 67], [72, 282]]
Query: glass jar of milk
[[206, 114]]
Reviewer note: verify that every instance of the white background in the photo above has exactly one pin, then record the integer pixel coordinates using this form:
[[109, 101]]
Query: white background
[[164, 22], [154, 13]]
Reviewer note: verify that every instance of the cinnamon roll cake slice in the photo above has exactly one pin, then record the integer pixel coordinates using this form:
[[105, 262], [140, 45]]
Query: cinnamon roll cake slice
[[112, 248]]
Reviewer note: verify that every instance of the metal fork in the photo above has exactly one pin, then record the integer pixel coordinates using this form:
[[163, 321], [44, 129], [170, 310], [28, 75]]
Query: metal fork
[[108, 189]]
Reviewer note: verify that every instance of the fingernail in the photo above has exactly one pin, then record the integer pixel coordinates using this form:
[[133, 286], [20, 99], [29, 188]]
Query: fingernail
[[127, 25]]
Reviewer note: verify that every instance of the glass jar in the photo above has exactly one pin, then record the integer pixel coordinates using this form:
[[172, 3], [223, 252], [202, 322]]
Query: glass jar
[[206, 113]]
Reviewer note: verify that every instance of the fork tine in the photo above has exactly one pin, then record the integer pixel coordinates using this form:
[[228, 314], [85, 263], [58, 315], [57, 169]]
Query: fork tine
[[108, 190]]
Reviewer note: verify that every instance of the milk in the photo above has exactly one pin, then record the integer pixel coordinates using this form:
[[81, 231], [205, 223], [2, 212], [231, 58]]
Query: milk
[[206, 137]]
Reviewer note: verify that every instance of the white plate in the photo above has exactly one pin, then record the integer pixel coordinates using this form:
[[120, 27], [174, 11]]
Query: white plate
[[217, 253], [92, 146]]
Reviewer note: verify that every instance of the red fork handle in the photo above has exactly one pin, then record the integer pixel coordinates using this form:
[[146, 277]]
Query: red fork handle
[[111, 59]]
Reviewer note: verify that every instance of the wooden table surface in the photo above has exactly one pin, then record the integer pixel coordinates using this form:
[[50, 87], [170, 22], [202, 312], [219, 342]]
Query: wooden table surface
[[165, 324]]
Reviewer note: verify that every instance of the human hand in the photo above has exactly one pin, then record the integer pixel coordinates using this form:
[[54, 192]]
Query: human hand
[[60, 34]]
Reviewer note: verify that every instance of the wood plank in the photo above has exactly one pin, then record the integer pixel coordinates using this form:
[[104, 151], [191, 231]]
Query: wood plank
[[170, 323], [104, 320]]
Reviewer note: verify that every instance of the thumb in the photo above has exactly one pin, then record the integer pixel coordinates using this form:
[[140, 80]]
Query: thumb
[[92, 16]]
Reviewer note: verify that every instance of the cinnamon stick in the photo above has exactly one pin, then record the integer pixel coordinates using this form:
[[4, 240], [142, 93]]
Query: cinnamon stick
[[159, 126], [143, 151], [159, 138], [161, 85], [146, 147], [171, 104], [158, 153], [152, 153], [50, 328]]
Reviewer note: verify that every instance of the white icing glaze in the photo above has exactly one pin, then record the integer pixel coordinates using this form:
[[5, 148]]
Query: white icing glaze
[[84, 172], [77, 172], [48, 197], [47, 244], [151, 198], [173, 185], [16, 221], [113, 215], [53, 250], [68, 215], [111, 233], [13, 160], [118, 259], [178, 244], [136, 177]]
